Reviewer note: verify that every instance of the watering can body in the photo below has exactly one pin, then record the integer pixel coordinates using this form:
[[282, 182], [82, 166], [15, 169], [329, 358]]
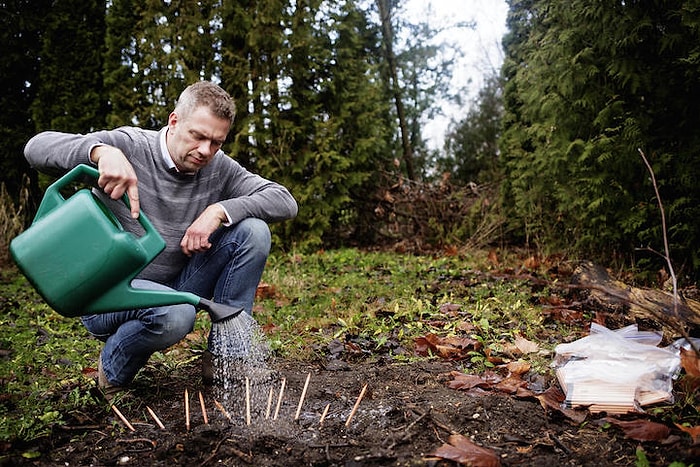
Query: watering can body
[[79, 258]]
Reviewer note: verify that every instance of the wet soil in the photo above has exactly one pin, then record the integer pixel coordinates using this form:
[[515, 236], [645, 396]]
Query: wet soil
[[406, 413]]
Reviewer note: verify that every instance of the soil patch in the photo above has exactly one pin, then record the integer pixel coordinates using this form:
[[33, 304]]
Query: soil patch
[[406, 413]]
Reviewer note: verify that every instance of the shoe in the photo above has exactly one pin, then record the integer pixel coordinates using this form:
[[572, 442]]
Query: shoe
[[207, 368], [108, 389]]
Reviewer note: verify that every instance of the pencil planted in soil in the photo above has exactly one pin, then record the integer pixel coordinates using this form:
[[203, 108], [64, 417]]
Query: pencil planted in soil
[[303, 394], [155, 417], [269, 404], [325, 412], [223, 410], [187, 410], [279, 399], [123, 418], [247, 401], [204, 409], [357, 404]]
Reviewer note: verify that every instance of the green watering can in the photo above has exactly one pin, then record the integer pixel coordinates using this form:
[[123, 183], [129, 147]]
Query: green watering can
[[81, 260]]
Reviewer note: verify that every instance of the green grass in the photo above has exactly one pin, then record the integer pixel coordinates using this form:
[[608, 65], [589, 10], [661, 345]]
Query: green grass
[[380, 301], [373, 303], [387, 300]]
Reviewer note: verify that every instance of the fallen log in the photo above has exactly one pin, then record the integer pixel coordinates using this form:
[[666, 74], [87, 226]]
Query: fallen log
[[655, 304]]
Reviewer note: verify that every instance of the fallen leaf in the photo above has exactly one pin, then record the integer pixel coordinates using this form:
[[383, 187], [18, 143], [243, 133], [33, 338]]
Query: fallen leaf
[[463, 381], [641, 430], [553, 399], [464, 451], [531, 263], [693, 431], [450, 308], [511, 384], [265, 290], [518, 368], [690, 362], [526, 346], [446, 347]]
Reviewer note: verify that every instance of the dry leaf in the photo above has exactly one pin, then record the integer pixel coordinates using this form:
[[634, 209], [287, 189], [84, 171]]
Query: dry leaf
[[518, 368], [693, 431], [462, 450], [553, 399], [463, 381], [449, 347], [690, 362], [641, 430], [526, 346], [511, 384]]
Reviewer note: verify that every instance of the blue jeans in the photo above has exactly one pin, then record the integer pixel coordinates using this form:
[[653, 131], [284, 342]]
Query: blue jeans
[[228, 273]]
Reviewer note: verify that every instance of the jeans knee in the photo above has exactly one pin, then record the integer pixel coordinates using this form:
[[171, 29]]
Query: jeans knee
[[173, 322], [254, 235]]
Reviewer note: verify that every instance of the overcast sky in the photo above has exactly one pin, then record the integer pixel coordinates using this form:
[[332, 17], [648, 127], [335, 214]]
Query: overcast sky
[[482, 47]]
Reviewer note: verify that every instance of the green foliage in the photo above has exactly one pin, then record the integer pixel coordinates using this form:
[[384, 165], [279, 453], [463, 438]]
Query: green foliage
[[587, 83], [69, 83], [387, 300], [471, 147], [20, 38], [44, 356]]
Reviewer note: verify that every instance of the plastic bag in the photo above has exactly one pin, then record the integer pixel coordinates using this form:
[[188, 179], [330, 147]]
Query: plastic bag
[[618, 368]]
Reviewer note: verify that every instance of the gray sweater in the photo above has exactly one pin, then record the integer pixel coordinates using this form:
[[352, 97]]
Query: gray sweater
[[171, 201]]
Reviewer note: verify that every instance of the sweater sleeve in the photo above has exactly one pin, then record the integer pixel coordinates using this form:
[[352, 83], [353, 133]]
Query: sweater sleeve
[[250, 195], [56, 153]]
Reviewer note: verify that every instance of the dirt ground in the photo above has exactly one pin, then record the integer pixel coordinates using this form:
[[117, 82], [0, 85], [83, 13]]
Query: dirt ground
[[407, 413]]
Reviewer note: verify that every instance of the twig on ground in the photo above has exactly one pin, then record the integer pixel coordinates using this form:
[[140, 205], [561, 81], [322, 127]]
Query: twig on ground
[[357, 404], [667, 253], [123, 418], [155, 417], [303, 394]]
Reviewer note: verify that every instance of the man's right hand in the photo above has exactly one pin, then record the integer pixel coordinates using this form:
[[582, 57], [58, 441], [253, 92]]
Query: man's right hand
[[117, 175]]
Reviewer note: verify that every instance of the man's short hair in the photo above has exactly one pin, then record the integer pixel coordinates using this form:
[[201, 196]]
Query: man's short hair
[[206, 94]]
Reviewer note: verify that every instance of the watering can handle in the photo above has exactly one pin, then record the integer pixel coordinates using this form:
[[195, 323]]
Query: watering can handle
[[151, 240]]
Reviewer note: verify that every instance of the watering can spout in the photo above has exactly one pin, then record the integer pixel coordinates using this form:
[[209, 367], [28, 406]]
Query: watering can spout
[[219, 312]]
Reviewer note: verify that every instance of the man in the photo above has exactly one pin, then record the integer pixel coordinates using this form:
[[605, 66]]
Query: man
[[211, 212]]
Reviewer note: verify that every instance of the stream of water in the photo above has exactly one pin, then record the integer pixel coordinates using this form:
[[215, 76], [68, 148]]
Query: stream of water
[[240, 350]]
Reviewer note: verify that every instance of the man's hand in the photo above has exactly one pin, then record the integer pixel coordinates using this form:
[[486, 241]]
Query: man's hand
[[196, 237], [117, 176]]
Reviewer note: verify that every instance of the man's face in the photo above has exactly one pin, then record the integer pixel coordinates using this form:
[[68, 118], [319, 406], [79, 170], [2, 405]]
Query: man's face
[[193, 141]]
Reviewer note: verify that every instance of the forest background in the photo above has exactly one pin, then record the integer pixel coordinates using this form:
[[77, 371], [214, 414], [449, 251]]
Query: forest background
[[333, 98]]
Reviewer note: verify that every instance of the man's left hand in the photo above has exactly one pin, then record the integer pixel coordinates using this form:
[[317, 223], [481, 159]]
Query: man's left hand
[[197, 235]]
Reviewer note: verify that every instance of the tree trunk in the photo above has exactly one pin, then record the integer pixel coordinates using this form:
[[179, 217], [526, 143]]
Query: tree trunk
[[388, 39]]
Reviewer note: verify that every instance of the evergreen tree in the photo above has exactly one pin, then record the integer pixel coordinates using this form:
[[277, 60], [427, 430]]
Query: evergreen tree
[[471, 147], [587, 84], [20, 41], [155, 50]]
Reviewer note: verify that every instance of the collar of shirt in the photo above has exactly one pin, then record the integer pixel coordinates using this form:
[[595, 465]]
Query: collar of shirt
[[172, 168]]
